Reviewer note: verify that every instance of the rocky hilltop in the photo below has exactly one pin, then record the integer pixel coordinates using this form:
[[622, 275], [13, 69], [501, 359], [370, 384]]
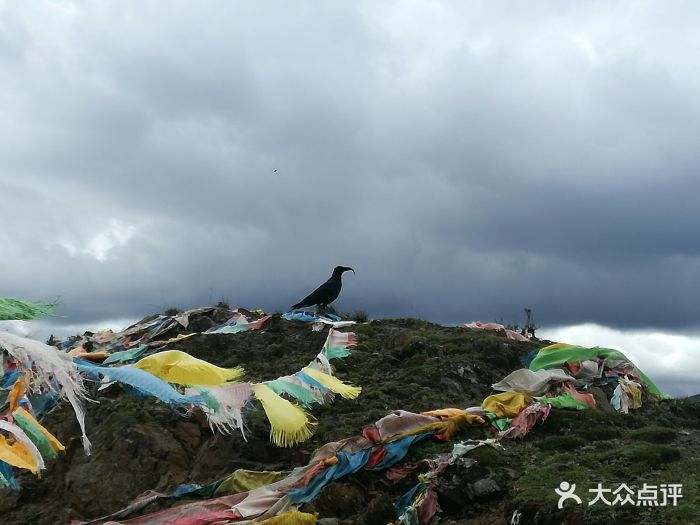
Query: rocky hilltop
[[141, 444]]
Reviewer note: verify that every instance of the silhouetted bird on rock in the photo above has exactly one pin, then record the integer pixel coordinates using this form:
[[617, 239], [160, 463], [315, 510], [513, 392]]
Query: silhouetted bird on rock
[[327, 292]]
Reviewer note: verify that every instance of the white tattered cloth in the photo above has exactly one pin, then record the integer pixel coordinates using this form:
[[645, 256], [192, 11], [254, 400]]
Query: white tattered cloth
[[533, 383]]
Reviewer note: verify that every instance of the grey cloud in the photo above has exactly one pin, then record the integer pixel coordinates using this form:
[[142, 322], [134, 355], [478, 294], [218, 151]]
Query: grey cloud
[[467, 161]]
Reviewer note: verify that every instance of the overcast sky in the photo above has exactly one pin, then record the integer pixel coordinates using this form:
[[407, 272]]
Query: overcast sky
[[468, 159]]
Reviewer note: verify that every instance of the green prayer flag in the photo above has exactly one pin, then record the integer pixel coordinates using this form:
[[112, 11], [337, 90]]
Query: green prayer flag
[[305, 396], [14, 309], [35, 435], [335, 352], [564, 400], [501, 423], [573, 354], [125, 355]]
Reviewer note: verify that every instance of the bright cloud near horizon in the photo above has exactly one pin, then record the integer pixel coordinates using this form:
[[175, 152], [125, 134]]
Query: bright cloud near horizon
[[467, 159]]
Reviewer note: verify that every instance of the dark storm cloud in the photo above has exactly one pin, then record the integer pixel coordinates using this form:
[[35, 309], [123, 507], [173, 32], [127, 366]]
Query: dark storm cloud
[[467, 161]]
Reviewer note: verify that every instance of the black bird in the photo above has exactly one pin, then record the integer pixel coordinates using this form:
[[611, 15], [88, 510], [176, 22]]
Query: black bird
[[327, 292]]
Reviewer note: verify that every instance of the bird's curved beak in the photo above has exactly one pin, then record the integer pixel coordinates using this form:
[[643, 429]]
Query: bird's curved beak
[[346, 268]]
